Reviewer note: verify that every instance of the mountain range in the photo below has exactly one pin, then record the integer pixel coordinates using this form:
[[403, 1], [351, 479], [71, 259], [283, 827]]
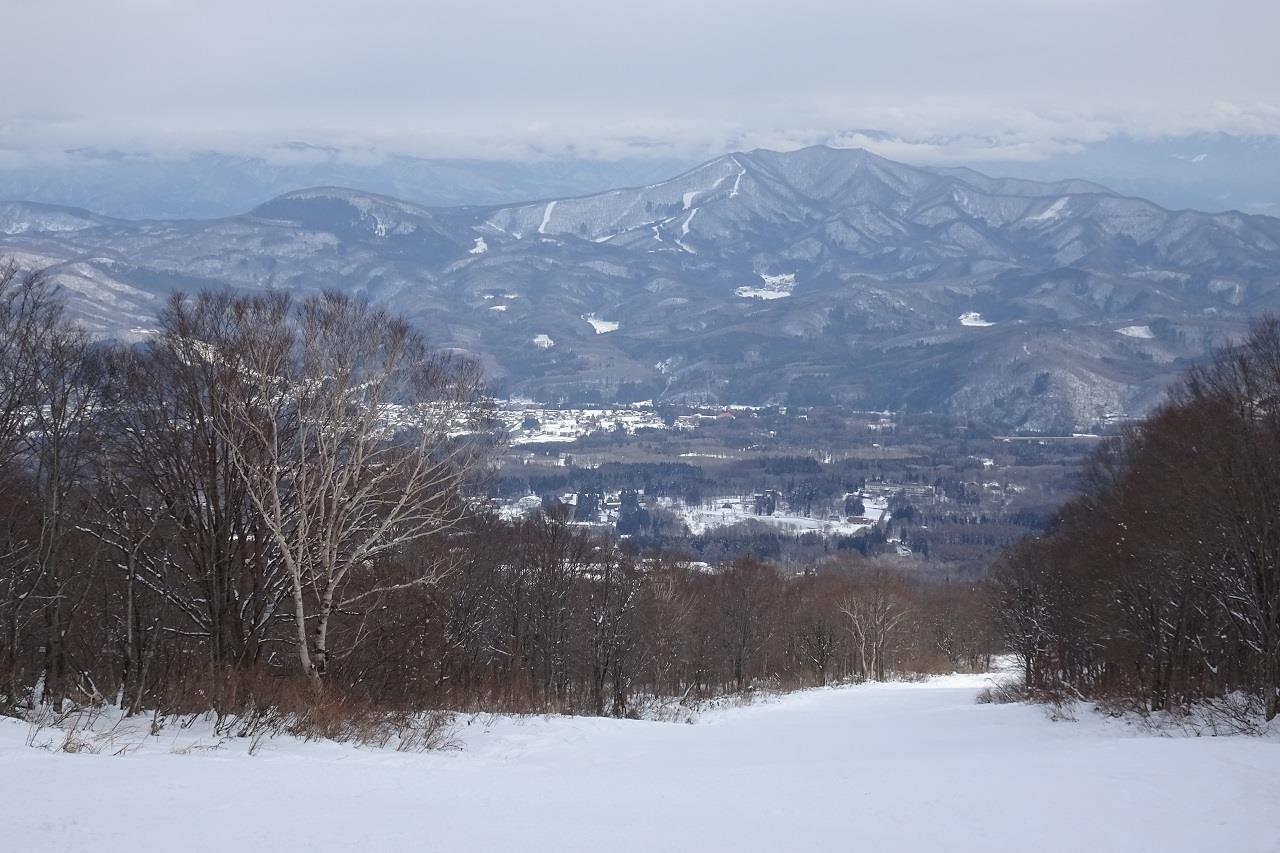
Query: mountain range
[[208, 184], [802, 277]]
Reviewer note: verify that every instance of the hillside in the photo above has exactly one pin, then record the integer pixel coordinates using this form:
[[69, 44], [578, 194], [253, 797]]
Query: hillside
[[757, 277]]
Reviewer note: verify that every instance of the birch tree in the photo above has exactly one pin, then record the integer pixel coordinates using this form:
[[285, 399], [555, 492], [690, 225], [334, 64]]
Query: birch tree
[[353, 438], [874, 608]]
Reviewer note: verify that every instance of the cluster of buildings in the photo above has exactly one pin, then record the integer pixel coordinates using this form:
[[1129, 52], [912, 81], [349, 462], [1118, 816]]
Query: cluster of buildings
[[531, 424]]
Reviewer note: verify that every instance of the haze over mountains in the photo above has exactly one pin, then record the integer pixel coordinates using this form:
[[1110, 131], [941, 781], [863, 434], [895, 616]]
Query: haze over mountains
[[803, 277], [1203, 171], [207, 184]]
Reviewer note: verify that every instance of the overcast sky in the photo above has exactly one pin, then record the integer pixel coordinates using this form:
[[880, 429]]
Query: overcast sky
[[1020, 78]]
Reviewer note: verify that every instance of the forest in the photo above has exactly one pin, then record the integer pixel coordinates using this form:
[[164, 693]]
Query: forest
[[1158, 587], [275, 503], [269, 503]]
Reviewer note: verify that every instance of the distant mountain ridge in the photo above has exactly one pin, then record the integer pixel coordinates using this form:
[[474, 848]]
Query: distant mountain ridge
[[806, 276], [208, 184]]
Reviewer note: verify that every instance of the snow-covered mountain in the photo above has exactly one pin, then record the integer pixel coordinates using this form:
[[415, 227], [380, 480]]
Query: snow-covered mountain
[[758, 276], [849, 208], [24, 217]]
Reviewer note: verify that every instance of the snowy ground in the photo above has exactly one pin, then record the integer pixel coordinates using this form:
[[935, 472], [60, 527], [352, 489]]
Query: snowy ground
[[601, 327], [1143, 332], [973, 318], [729, 510], [876, 768]]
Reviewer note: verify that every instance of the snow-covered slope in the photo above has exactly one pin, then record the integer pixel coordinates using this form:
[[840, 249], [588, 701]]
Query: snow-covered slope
[[895, 767]]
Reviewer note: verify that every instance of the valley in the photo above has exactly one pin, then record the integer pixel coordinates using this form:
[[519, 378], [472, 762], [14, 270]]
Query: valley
[[932, 495]]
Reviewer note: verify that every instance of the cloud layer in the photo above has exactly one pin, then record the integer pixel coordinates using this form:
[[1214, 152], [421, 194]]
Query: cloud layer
[[961, 79]]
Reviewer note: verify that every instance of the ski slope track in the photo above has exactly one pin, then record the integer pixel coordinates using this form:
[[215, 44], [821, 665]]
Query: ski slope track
[[897, 767]]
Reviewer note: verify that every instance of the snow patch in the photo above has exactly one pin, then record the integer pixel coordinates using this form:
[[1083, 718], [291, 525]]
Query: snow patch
[[684, 231], [1053, 211], [689, 197], [1143, 332], [542, 341], [479, 248], [733, 193], [546, 217], [727, 511], [777, 286], [601, 326], [684, 226], [973, 318], [760, 293]]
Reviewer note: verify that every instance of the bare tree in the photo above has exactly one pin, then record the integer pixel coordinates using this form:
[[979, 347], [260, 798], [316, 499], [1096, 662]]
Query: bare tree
[[1242, 387], [816, 628], [1160, 585], [353, 439], [49, 388], [25, 307], [750, 596], [176, 449], [875, 608]]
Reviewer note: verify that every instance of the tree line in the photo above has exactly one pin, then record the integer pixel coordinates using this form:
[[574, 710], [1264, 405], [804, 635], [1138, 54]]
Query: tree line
[[1159, 586], [274, 497]]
